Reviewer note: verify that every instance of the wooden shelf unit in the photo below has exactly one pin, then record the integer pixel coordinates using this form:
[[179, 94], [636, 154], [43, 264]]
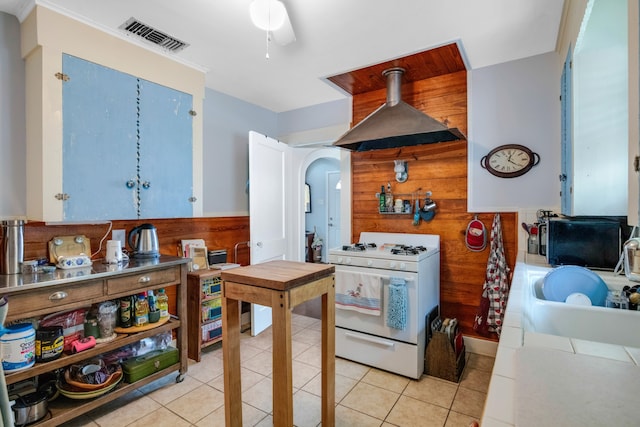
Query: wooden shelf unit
[[204, 310], [34, 301]]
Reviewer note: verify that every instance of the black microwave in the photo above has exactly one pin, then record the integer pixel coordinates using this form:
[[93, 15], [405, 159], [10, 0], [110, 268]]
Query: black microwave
[[585, 241]]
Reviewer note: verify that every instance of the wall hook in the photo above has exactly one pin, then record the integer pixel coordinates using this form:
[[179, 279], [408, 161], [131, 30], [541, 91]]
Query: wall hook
[[400, 169]]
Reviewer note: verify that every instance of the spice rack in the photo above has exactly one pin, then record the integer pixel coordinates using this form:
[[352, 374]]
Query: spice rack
[[411, 197]]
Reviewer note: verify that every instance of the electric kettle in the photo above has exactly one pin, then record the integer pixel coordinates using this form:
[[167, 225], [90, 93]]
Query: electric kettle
[[143, 240], [631, 255]]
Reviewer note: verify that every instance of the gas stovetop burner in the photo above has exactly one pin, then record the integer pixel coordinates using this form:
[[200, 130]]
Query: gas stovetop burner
[[357, 247], [407, 250]]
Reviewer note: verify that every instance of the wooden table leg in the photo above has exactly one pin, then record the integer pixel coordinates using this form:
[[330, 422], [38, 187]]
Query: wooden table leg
[[328, 357], [282, 368], [231, 361]]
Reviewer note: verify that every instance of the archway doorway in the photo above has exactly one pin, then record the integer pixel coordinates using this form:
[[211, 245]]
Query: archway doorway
[[323, 215], [320, 170]]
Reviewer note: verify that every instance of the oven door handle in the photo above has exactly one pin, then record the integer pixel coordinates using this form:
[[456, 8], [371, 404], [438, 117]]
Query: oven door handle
[[379, 341]]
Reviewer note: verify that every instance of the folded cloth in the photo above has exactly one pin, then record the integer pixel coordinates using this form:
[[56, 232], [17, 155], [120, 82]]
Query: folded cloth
[[397, 304], [358, 292]]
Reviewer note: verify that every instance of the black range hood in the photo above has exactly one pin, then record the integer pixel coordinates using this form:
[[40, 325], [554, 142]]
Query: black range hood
[[396, 124]]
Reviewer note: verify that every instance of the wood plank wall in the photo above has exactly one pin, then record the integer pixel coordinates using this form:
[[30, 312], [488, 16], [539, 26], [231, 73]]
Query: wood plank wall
[[442, 169], [218, 233]]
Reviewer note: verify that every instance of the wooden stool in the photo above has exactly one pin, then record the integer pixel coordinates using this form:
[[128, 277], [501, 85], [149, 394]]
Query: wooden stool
[[280, 285]]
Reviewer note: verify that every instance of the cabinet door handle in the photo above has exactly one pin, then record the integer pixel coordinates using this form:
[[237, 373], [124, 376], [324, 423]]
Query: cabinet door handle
[[146, 185], [56, 296], [144, 279], [130, 184]]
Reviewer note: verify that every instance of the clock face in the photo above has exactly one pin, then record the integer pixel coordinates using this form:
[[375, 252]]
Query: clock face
[[509, 161]]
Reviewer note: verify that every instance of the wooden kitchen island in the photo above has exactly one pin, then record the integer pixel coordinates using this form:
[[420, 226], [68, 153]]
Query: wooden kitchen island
[[280, 285]]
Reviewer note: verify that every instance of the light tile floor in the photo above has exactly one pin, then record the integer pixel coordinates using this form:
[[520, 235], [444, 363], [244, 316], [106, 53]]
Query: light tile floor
[[365, 396]]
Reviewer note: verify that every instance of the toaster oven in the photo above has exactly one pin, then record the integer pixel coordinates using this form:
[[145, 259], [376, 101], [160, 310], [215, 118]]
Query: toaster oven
[[585, 241]]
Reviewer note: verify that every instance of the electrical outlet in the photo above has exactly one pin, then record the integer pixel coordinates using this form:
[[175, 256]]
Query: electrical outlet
[[120, 235]]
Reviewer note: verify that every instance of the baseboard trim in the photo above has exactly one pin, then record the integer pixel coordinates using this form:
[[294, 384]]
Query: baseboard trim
[[480, 346]]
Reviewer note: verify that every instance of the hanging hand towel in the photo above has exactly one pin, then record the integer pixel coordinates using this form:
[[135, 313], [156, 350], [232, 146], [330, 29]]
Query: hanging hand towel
[[358, 292], [495, 290], [397, 305]]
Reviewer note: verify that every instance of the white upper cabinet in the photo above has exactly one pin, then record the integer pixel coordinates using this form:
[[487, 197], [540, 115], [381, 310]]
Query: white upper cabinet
[[596, 140]]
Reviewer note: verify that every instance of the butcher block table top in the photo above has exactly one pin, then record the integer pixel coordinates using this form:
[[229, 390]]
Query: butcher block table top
[[278, 275]]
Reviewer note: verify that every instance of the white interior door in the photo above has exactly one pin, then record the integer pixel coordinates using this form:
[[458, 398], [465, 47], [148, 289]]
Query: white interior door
[[269, 178], [333, 214]]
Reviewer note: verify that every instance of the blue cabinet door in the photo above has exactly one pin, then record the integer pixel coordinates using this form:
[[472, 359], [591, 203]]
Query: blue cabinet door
[[99, 124], [166, 147], [127, 146]]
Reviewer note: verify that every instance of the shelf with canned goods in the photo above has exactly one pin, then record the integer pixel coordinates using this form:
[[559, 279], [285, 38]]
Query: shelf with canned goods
[[204, 310]]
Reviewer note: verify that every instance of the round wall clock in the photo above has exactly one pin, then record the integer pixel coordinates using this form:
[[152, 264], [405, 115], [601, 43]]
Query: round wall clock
[[509, 161]]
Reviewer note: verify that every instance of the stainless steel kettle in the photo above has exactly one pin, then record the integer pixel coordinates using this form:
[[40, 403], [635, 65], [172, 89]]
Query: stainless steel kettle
[[631, 255], [143, 240]]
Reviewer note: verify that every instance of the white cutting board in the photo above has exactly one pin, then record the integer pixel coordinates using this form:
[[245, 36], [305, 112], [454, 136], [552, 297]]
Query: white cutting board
[[557, 388]]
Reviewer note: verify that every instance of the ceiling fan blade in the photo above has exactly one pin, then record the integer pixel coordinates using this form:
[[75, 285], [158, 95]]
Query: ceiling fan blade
[[284, 34]]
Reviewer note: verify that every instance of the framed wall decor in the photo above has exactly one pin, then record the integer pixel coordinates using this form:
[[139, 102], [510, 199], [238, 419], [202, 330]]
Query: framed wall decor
[[509, 161]]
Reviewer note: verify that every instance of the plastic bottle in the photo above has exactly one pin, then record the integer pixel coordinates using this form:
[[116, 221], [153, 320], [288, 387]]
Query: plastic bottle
[[163, 303], [383, 200], [532, 246], [389, 198], [151, 300], [126, 310], [142, 311]]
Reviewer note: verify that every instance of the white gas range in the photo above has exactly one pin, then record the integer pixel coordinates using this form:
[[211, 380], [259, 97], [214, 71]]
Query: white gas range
[[373, 268]]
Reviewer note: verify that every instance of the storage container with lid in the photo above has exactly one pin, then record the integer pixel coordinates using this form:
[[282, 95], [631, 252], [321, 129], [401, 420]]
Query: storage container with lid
[[18, 344]]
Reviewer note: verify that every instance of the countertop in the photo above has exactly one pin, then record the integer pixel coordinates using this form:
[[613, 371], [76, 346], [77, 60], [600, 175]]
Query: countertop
[[11, 283], [541, 379]]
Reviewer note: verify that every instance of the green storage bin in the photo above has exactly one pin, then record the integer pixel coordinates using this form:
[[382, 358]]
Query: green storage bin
[[139, 367]]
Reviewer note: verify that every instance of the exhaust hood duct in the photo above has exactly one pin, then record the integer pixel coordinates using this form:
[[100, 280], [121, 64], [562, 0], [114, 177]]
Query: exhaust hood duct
[[396, 124]]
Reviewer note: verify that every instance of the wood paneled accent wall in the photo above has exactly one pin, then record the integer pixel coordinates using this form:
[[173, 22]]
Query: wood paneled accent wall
[[218, 233], [442, 169]]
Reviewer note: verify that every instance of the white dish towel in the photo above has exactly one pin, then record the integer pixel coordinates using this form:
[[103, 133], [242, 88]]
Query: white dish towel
[[358, 292]]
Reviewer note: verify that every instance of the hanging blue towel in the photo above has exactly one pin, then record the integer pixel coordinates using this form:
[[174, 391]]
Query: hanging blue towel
[[397, 304]]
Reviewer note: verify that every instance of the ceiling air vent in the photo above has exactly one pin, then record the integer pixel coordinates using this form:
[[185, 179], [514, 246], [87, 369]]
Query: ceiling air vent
[[152, 35]]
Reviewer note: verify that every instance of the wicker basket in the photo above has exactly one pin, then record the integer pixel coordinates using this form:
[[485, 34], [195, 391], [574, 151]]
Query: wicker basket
[[442, 361]]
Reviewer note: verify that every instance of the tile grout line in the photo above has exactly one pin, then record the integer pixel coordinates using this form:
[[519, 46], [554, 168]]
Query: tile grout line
[[481, 364]]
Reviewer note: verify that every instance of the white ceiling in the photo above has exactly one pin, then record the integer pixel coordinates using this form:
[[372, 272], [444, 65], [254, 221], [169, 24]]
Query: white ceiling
[[333, 37]]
